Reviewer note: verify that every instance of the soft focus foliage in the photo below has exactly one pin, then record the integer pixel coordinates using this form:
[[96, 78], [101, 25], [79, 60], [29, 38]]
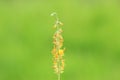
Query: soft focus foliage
[[91, 34]]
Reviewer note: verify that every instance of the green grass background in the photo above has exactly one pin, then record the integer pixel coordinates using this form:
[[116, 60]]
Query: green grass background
[[91, 34]]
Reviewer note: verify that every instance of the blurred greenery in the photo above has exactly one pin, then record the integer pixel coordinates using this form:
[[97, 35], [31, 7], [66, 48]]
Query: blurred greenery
[[91, 34]]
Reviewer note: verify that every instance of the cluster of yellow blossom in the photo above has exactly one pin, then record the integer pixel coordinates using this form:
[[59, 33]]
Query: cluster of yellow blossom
[[58, 51]]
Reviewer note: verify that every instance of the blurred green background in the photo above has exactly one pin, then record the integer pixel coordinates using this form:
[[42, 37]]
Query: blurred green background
[[91, 34]]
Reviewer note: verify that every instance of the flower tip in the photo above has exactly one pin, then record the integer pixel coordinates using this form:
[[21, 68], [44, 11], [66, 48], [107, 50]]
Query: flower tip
[[61, 23], [52, 14]]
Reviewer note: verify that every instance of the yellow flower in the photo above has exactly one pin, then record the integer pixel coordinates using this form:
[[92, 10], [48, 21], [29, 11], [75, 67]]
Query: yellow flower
[[61, 52], [54, 50], [56, 56], [58, 51]]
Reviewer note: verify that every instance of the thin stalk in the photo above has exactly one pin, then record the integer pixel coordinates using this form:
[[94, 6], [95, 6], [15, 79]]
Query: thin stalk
[[59, 76], [59, 63], [58, 47]]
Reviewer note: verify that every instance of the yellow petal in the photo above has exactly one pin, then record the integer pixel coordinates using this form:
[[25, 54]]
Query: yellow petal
[[61, 52]]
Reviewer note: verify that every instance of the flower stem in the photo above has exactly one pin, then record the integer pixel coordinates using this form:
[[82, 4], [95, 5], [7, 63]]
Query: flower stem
[[59, 62], [58, 76], [59, 69]]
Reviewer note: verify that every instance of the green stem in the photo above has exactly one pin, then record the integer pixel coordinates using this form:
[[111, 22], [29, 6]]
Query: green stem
[[59, 62], [59, 70], [58, 76]]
